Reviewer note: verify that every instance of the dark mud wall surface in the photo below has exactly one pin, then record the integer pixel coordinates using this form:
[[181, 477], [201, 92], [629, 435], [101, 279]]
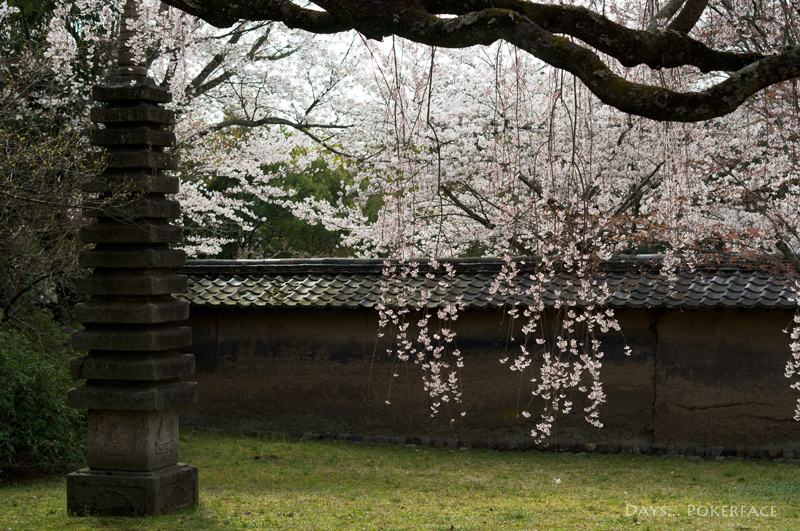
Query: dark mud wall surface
[[695, 379]]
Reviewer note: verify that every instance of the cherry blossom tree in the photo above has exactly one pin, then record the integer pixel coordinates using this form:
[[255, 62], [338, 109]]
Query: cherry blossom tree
[[488, 151], [562, 133]]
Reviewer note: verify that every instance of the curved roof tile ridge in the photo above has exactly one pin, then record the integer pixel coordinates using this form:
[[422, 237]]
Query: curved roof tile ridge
[[632, 281]]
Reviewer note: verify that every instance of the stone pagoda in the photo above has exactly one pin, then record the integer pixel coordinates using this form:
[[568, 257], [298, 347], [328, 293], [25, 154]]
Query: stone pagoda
[[131, 321]]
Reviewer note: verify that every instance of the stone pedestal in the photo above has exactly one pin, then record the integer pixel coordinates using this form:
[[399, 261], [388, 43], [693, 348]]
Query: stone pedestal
[[131, 322], [109, 492]]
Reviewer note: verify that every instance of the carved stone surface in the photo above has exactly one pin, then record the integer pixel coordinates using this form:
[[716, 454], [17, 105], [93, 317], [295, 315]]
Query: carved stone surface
[[143, 207], [129, 256], [132, 440], [132, 398], [120, 89], [142, 158], [131, 137], [141, 113], [132, 182], [146, 367], [127, 283], [161, 491], [131, 339], [132, 231], [158, 311]]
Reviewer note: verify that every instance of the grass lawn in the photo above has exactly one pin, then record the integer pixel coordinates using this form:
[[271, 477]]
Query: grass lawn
[[258, 482]]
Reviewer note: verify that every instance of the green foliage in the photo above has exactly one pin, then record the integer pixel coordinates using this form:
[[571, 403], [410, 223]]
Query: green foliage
[[42, 167], [281, 234], [36, 426], [277, 232]]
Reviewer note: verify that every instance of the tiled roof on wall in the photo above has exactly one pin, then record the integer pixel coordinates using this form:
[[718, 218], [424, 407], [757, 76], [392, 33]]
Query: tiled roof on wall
[[633, 282]]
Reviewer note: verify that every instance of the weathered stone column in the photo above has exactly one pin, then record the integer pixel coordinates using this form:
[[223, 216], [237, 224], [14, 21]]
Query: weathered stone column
[[130, 322]]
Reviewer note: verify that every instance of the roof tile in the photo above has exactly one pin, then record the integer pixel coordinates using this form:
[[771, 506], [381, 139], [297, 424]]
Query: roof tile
[[349, 283]]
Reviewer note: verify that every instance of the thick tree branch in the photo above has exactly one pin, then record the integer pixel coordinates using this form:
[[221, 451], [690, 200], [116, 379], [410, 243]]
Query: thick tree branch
[[552, 202], [483, 220], [630, 47], [639, 190], [6, 310], [219, 80], [789, 254], [688, 16], [302, 127], [665, 14], [200, 85], [225, 13], [407, 18], [271, 120], [653, 102], [207, 70], [538, 29]]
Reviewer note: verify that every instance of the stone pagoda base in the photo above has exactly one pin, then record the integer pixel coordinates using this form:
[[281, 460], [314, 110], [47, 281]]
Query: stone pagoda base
[[115, 492]]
